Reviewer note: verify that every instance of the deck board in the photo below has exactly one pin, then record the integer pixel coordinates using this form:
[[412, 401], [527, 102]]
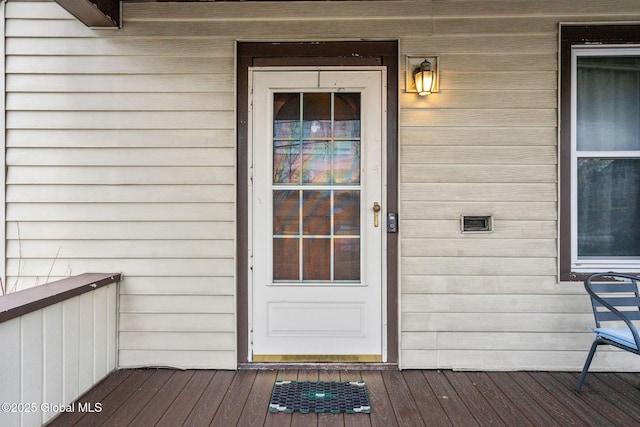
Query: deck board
[[607, 401], [402, 403], [510, 388], [453, 405], [501, 403], [206, 407], [139, 399], [629, 390], [568, 399], [150, 414], [473, 399], [429, 406], [166, 397], [379, 399], [232, 405], [99, 394], [258, 399], [181, 407], [545, 401], [114, 404]]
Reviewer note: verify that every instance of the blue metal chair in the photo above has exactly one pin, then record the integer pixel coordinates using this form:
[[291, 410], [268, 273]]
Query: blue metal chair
[[616, 303]]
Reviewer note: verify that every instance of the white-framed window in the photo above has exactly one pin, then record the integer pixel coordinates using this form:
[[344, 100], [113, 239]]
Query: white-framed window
[[605, 158], [599, 150]]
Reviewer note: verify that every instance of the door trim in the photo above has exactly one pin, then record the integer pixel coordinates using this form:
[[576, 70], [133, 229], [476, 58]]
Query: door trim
[[351, 54]]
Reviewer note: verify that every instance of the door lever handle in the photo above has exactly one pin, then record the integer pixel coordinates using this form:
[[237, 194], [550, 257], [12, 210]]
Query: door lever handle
[[376, 210]]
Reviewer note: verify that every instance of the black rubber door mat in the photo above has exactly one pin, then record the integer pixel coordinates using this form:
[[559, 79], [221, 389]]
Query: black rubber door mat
[[319, 397]]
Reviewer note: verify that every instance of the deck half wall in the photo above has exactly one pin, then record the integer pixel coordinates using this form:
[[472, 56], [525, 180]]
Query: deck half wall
[[56, 342]]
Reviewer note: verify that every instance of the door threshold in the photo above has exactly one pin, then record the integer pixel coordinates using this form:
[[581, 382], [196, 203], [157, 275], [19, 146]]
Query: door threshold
[[323, 366], [318, 358]]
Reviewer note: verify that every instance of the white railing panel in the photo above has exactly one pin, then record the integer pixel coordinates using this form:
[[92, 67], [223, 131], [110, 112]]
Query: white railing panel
[[53, 356], [50, 354], [32, 368], [10, 359]]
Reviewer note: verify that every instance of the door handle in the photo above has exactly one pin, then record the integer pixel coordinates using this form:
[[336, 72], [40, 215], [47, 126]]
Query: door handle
[[376, 210]]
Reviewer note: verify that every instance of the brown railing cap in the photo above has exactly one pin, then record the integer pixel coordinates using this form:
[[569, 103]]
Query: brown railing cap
[[22, 302]]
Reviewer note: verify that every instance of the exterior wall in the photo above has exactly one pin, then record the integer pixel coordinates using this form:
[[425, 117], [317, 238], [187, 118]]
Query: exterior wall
[[121, 157], [120, 153], [487, 145]]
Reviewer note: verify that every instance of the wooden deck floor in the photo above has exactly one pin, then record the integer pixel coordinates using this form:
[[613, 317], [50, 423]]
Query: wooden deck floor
[[165, 397]]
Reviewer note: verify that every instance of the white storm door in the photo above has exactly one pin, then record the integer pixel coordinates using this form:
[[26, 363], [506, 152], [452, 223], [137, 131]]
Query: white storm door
[[317, 216]]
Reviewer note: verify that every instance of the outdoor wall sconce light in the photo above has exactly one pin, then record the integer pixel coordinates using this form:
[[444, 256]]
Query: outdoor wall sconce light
[[422, 75]]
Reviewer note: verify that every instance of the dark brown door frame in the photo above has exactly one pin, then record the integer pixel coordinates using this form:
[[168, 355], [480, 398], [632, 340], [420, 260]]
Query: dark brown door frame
[[365, 53]]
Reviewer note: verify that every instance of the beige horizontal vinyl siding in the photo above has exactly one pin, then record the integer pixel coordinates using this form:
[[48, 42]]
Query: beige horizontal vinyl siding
[[487, 145], [121, 157]]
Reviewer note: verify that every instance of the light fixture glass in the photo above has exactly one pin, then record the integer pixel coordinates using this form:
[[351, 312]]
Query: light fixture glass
[[423, 77], [422, 74]]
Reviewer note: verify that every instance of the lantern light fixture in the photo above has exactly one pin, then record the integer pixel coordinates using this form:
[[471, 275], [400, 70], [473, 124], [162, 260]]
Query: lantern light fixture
[[423, 78], [422, 75]]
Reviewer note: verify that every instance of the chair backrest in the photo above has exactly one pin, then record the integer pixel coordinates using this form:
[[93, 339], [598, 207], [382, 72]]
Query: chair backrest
[[614, 297]]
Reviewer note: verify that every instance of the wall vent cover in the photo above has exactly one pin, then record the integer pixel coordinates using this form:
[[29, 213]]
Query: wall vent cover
[[476, 223]]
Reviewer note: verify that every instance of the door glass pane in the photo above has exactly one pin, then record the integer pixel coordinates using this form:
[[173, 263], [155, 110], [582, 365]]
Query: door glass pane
[[316, 163], [286, 212], [347, 213], [286, 112], [286, 138], [346, 162], [316, 213], [316, 115], [347, 255], [316, 259], [347, 115], [346, 149], [608, 207], [286, 162], [286, 266], [316, 148]]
